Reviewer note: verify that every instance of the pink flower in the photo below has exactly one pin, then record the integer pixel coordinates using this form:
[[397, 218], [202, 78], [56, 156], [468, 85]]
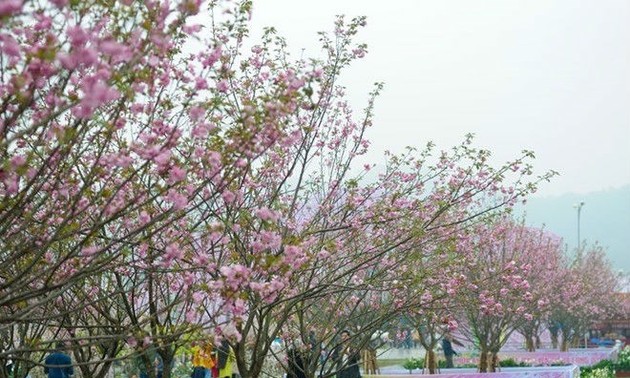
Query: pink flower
[[78, 36], [266, 214], [12, 184], [191, 29], [60, 3], [294, 256], [95, 94], [239, 307], [222, 86], [198, 297], [176, 174], [90, 251], [212, 58], [228, 196], [201, 83], [9, 45], [229, 331], [179, 201], [163, 158], [452, 325], [191, 316], [18, 161], [144, 217], [323, 254], [117, 51], [196, 113], [8, 7], [173, 252], [358, 53]]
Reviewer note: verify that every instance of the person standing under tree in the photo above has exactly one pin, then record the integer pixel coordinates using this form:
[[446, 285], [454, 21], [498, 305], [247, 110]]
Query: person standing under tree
[[225, 360], [58, 364], [149, 359], [447, 347], [202, 361], [346, 358]]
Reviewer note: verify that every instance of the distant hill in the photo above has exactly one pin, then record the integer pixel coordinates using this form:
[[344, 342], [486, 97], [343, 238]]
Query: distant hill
[[605, 218]]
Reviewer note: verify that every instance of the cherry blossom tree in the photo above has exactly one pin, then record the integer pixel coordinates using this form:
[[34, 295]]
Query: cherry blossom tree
[[498, 297], [164, 181], [115, 140], [586, 294], [545, 278]]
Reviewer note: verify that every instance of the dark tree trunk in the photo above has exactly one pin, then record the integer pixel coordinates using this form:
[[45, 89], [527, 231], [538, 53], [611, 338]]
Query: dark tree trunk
[[529, 343], [493, 364], [431, 361]]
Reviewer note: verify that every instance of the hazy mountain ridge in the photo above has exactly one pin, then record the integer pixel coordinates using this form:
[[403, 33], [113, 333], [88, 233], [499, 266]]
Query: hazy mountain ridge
[[605, 219]]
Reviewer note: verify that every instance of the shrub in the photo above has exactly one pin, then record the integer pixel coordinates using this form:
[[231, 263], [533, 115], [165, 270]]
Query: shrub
[[605, 372], [510, 362], [623, 360], [413, 363], [607, 368]]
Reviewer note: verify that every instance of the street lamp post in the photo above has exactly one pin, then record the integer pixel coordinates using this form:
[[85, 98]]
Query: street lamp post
[[579, 251], [579, 210]]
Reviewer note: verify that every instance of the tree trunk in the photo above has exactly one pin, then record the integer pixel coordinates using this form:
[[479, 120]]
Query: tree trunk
[[431, 361], [167, 364], [529, 343], [575, 341], [493, 362], [483, 361], [553, 333], [248, 368], [538, 342], [564, 345]]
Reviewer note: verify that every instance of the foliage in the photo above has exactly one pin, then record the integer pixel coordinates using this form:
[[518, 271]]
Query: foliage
[[413, 363], [623, 360], [603, 367], [510, 362], [604, 372]]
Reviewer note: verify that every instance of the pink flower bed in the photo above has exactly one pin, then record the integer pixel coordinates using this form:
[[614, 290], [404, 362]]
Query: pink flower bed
[[533, 372], [549, 357]]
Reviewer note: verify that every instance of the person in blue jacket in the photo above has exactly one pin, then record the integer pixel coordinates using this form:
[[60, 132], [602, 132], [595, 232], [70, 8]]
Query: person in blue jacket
[[58, 364]]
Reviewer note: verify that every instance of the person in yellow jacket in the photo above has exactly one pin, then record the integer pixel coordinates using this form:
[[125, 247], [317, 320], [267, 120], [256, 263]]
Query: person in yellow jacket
[[225, 359], [202, 361]]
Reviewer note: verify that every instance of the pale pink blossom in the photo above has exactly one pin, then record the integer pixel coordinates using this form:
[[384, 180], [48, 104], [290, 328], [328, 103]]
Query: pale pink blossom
[[223, 86], [176, 174], [8, 7]]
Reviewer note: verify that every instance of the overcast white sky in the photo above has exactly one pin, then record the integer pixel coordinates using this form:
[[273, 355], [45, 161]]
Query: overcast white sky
[[547, 75]]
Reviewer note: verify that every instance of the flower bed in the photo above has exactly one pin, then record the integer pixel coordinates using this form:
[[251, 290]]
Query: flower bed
[[527, 372], [584, 357]]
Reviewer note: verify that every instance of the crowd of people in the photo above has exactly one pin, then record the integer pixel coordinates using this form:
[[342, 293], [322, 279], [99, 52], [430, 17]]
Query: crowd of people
[[210, 360]]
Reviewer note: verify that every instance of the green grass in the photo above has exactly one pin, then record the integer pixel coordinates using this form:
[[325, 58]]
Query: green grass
[[392, 362]]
